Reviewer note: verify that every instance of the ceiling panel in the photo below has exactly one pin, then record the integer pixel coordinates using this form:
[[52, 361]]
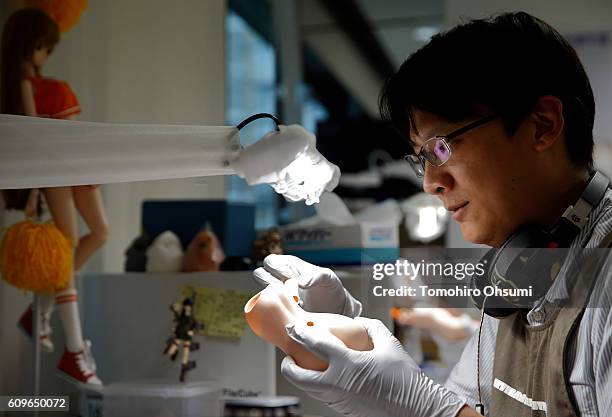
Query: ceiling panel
[[403, 26]]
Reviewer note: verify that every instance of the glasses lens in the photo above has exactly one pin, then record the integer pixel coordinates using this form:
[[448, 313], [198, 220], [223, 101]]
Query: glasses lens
[[417, 164], [436, 151]]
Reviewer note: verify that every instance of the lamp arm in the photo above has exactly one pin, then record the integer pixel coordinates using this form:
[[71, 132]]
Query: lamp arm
[[38, 153]]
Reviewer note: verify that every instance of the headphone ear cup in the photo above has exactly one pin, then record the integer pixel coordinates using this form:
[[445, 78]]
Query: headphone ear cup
[[529, 259], [518, 264], [499, 306]]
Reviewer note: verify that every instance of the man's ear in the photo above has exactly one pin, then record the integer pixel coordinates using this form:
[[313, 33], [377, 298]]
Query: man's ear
[[547, 118]]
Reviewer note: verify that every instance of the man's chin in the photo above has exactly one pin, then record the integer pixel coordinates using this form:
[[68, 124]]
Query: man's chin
[[476, 234]]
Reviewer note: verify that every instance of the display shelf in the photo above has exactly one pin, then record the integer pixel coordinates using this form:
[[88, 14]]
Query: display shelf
[[128, 319]]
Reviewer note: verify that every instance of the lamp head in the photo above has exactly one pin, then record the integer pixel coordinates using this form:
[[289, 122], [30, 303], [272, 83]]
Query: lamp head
[[289, 161]]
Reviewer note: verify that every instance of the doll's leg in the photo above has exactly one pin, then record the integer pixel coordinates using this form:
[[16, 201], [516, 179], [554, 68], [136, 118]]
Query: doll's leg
[[185, 352], [47, 301], [88, 201], [76, 362], [63, 211], [62, 208], [172, 348], [186, 364]]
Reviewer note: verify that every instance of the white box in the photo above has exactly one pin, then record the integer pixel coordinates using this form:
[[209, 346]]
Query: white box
[[159, 399], [363, 243]]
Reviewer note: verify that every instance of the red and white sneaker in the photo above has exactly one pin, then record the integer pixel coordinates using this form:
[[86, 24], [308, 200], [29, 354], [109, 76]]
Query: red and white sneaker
[[79, 366], [25, 324]]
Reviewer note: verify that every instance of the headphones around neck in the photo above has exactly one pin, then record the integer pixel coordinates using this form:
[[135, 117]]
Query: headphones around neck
[[530, 255]]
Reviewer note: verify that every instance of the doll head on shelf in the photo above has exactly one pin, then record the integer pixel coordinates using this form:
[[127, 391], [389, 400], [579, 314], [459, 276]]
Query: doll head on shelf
[[165, 253], [270, 242], [204, 253]]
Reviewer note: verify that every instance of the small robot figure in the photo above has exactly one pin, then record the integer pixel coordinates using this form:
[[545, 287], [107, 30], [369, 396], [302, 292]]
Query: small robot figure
[[184, 329]]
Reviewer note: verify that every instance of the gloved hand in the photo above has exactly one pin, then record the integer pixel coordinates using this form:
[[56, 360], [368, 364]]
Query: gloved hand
[[382, 382], [289, 161], [319, 289]]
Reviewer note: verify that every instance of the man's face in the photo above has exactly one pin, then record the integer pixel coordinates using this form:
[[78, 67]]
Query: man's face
[[488, 183]]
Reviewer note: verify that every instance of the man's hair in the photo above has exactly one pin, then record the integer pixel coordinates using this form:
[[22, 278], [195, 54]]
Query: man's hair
[[501, 65]]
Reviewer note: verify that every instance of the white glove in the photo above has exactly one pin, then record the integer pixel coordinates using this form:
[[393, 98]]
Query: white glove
[[289, 161], [382, 382], [319, 289]]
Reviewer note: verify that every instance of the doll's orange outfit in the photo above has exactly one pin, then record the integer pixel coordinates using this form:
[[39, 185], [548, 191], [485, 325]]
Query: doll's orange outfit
[[54, 98]]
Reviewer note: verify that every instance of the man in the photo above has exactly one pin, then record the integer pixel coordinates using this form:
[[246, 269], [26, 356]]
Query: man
[[515, 109]]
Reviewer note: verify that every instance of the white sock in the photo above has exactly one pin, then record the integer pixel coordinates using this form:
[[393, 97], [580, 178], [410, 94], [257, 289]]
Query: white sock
[[46, 303], [67, 306]]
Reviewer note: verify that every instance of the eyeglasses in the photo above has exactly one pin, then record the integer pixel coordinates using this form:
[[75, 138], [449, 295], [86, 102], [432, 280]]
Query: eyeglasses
[[437, 150]]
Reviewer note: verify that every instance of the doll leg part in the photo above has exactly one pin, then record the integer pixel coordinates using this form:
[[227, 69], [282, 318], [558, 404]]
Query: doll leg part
[[291, 289], [270, 311], [63, 211], [88, 201], [68, 309], [172, 348], [186, 368], [186, 364], [185, 353], [47, 302], [26, 323]]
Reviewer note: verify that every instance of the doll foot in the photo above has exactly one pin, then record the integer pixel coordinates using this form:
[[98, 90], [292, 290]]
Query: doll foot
[[79, 366], [25, 324], [186, 368]]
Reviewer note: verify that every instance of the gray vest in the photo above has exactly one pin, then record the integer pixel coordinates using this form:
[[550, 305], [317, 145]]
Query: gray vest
[[530, 376]]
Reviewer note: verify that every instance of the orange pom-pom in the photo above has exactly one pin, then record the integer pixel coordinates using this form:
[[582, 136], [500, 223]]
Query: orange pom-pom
[[36, 257], [66, 13]]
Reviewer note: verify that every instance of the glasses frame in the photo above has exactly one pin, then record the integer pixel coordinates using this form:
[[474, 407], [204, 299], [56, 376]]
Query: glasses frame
[[417, 161]]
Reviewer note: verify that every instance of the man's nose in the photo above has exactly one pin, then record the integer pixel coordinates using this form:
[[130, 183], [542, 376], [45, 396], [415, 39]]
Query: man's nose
[[437, 180]]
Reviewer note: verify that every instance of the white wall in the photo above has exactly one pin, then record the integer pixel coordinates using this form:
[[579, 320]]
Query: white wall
[[131, 61]]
